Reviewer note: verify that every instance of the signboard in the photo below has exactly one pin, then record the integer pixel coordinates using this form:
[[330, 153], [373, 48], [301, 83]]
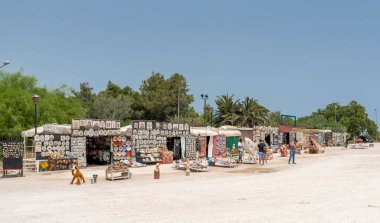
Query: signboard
[[95, 128], [13, 152]]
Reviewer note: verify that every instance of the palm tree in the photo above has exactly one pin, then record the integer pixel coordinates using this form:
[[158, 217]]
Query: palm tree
[[251, 113], [226, 110]]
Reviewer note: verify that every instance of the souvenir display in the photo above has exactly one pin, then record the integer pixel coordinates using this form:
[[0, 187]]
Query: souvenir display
[[219, 146], [339, 139], [98, 150], [12, 154], [62, 164], [152, 135], [122, 149], [108, 124], [191, 148], [167, 157], [88, 124], [57, 145], [75, 125], [202, 146], [91, 128], [78, 149], [96, 124]]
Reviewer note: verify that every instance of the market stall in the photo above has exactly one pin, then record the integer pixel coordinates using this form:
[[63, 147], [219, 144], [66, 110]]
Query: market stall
[[97, 135], [52, 144], [154, 141], [205, 139]]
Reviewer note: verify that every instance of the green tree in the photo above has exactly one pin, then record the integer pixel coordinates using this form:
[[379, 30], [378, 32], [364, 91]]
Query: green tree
[[159, 97], [17, 108], [86, 95], [352, 118], [116, 108]]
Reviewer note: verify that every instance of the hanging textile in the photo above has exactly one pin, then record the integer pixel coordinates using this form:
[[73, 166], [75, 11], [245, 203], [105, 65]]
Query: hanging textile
[[202, 145], [219, 148]]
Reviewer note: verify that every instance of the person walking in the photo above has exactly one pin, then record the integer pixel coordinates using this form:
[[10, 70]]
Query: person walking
[[241, 151], [293, 147], [261, 152]]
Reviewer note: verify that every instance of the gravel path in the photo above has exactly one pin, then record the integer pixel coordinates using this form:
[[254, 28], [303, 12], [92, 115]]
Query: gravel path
[[339, 186]]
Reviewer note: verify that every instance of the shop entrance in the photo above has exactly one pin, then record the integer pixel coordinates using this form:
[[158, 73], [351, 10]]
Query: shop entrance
[[267, 140], [174, 144], [286, 138], [98, 150]]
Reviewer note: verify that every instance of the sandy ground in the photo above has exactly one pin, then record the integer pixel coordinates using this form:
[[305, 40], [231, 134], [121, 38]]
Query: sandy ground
[[338, 186]]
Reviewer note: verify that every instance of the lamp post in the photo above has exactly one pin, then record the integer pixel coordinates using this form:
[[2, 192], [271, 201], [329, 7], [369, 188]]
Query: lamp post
[[204, 97], [5, 63], [377, 128], [35, 101]]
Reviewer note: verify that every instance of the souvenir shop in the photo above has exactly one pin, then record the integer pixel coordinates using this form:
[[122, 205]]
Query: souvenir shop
[[232, 139], [161, 142], [50, 148], [204, 140], [92, 140], [285, 134]]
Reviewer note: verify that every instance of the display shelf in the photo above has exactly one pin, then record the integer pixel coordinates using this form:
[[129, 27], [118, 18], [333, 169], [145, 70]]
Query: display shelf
[[157, 156]]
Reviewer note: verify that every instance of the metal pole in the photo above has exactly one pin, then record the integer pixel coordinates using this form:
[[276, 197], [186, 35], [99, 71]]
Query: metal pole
[[35, 118], [336, 121], [204, 110], [377, 127]]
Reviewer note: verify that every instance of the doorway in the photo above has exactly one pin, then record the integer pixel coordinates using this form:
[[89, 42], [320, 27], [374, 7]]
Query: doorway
[[174, 144]]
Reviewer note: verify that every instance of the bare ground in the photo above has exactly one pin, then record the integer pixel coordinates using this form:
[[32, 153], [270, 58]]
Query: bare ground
[[338, 186]]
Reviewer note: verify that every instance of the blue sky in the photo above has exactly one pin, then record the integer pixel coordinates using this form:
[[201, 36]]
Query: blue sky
[[294, 56]]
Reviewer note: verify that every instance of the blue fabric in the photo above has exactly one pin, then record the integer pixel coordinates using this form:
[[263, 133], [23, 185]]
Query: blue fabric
[[292, 156]]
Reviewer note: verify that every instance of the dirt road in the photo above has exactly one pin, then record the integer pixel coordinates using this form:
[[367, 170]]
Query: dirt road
[[339, 186]]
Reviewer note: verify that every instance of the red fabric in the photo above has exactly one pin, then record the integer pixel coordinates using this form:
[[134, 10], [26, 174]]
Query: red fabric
[[167, 157], [203, 146], [219, 149]]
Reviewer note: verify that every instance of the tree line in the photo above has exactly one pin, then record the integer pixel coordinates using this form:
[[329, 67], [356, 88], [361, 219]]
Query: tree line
[[155, 99]]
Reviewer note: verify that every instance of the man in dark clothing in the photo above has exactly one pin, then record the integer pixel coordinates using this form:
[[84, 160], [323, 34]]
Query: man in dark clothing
[[262, 152]]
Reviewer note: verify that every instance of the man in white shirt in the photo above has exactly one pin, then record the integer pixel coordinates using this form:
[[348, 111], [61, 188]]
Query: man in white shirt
[[240, 150]]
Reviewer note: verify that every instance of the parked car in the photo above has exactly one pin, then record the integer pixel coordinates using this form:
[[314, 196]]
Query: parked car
[[364, 139]]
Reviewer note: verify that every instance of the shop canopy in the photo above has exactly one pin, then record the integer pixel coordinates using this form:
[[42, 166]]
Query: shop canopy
[[49, 129], [126, 130], [204, 131], [229, 133], [311, 130], [230, 127]]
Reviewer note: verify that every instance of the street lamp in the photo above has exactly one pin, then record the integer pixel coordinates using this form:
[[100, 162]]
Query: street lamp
[[35, 101], [204, 97], [377, 127], [5, 63]]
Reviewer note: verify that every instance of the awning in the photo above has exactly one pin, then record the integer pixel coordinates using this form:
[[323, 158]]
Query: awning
[[126, 130], [49, 129], [229, 133], [203, 131]]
